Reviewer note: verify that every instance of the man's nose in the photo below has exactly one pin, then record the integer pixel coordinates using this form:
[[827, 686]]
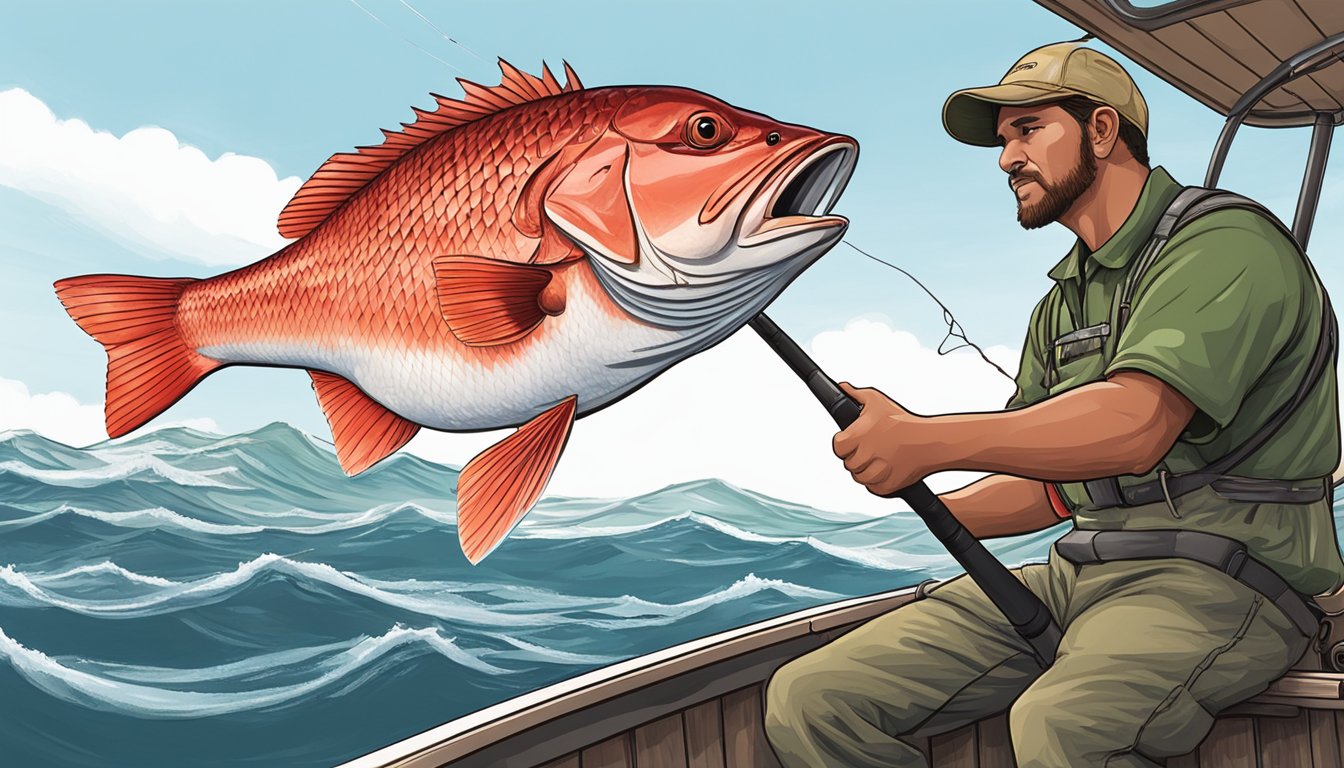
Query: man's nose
[[1011, 158]]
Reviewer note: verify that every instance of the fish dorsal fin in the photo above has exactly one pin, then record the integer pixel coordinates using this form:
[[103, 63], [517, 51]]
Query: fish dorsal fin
[[345, 173]]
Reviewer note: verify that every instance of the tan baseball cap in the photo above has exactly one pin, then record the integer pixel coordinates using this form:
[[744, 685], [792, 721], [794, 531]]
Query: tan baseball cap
[[1049, 73]]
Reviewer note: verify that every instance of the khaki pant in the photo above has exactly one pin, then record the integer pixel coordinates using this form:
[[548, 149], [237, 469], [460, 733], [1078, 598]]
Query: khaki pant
[[1152, 650]]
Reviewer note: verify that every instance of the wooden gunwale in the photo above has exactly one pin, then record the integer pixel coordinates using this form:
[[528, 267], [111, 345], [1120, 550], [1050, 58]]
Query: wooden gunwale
[[611, 706]]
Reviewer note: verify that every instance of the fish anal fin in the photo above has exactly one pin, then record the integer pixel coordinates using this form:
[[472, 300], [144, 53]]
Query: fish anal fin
[[364, 431], [487, 302], [500, 485]]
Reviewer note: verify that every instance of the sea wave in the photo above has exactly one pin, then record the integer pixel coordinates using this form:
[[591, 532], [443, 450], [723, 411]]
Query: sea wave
[[106, 567], [156, 517], [143, 691], [159, 517], [129, 467], [447, 601]]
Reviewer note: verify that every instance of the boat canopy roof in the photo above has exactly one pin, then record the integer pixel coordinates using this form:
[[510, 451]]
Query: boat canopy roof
[[1280, 62]]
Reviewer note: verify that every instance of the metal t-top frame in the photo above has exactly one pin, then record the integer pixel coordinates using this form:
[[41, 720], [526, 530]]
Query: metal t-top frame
[[1311, 59]]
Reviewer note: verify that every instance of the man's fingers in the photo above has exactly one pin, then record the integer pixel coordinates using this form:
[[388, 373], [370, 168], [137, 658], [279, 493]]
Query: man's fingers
[[844, 444], [876, 472], [860, 395], [857, 463]]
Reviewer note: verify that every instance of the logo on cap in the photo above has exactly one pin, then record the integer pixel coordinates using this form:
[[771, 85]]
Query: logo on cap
[[1025, 65]]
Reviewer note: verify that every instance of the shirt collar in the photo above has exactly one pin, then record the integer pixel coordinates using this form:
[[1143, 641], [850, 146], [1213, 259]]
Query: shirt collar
[[1158, 192]]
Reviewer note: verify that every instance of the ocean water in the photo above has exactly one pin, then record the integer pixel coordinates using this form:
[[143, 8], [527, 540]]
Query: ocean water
[[184, 599]]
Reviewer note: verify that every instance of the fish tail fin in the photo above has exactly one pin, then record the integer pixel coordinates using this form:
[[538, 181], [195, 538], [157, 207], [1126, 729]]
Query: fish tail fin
[[149, 364]]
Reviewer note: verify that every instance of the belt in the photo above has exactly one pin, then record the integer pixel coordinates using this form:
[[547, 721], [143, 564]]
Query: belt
[[1107, 492], [1220, 552]]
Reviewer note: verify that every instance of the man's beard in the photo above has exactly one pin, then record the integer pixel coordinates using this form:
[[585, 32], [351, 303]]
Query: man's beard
[[1059, 197]]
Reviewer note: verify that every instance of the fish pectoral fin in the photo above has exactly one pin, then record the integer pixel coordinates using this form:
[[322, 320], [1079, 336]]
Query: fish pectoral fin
[[501, 483], [488, 302], [364, 431]]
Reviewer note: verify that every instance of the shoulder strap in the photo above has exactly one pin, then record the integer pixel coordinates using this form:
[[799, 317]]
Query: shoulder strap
[[1189, 205]]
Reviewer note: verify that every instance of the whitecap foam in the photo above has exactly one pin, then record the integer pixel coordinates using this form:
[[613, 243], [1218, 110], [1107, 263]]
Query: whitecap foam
[[531, 652], [154, 517], [150, 698], [131, 466], [630, 611], [106, 567], [17, 588], [159, 517]]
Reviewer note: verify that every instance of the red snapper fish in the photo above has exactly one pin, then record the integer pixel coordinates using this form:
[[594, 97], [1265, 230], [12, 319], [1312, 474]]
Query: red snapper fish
[[520, 257]]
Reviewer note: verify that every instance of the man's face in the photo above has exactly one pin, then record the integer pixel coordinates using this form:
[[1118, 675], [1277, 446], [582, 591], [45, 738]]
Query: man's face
[[1047, 161]]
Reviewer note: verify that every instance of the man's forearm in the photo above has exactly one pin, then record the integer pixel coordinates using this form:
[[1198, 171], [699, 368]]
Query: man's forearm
[[1001, 505], [1098, 430]]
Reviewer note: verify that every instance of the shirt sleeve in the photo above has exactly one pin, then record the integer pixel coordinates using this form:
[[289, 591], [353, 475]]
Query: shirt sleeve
[[1031, 369], [1214, 311]]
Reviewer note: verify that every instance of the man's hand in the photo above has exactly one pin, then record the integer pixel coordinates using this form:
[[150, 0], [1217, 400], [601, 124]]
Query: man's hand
[[876, 448]]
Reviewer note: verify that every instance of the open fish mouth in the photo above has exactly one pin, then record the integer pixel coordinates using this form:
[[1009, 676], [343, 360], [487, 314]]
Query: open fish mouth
[[800, 197]]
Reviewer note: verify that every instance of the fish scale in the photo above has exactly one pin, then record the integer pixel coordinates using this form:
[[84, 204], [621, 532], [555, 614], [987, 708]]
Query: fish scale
[[489, 266]]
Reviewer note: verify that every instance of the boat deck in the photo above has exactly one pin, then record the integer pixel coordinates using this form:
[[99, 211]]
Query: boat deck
[[699, 705]]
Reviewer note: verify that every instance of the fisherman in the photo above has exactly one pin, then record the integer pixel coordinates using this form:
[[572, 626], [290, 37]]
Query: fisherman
[[1143, 411]]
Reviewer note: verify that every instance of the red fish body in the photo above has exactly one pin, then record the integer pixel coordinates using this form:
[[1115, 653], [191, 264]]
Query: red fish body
[[522, 257]]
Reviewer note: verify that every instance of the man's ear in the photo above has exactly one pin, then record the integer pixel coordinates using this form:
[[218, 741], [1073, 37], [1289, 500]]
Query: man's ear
[[1103, 130]]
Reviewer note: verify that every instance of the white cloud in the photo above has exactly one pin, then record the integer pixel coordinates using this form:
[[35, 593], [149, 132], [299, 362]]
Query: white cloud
[[60, 417], [144, 188], [737, 413]]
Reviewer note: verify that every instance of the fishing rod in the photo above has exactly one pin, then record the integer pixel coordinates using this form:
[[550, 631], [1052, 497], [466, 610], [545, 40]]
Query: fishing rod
[[1028, 615]]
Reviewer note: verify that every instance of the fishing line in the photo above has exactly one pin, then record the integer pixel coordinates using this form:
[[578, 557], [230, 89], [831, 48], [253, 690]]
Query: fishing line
[[954, 329], [442, 34], [406, 39]]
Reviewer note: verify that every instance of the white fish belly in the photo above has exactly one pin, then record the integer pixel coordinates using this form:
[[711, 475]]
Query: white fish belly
[[584, 351]]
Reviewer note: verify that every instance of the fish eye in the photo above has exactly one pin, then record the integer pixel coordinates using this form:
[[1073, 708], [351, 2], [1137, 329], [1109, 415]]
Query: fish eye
[[773, 138], [705, 131]]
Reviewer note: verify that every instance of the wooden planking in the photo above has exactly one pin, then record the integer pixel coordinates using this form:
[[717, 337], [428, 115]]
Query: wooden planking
[[922, 744], [1249, 52], [661, 744], [1216, 62], [994, 744], [956, 749], [1285, 30], [572, 761], [612, 753], [1147, 51], [1188, 760], [704, 735], [1284, 741], [1324, 739], [744, 731], [1339, 726], [1231, 744]]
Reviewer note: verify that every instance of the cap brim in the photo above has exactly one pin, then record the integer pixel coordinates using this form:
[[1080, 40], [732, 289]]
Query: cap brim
[[969, 115]]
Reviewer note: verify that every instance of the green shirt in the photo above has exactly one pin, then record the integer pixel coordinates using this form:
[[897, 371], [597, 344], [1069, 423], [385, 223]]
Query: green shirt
[[1229, 315]]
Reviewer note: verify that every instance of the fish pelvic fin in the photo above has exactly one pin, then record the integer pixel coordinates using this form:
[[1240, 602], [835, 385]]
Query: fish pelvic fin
[[487, 302], [364, 431], [149, 364], [500, 485]]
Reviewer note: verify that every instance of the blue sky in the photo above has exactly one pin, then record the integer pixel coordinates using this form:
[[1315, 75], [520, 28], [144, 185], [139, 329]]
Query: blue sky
[[290, 83]]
